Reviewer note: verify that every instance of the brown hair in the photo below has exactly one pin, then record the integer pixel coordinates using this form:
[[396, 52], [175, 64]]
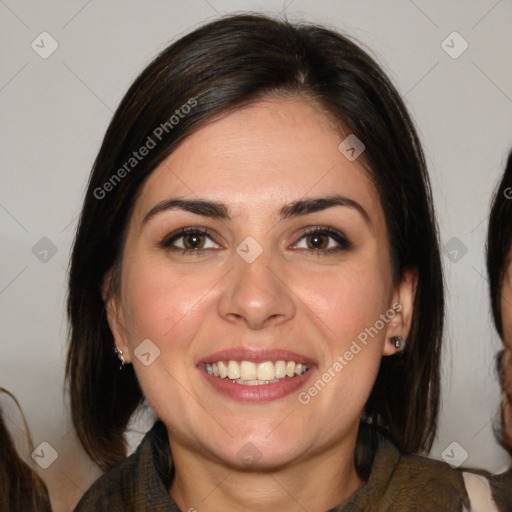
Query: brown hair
[[219, 67], [21, 489]]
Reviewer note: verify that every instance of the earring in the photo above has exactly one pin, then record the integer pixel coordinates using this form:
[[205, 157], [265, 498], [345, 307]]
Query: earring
[[398, 341], [120, 356]]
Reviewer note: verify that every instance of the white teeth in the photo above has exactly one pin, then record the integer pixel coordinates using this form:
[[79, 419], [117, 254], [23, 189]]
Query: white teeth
[[223, 370], [252, 374], [233, 370], [248, 371], [280, 367], [254, 382], [266, 371]]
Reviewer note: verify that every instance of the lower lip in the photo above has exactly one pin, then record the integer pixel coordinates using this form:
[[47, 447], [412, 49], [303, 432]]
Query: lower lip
[[260, 392]]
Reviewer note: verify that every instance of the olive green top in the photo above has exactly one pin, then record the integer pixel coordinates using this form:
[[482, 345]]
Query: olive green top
[[397, 483]]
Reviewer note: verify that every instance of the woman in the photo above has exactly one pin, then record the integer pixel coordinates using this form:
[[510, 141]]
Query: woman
[[21, 489], [258, 249], [499, 250]]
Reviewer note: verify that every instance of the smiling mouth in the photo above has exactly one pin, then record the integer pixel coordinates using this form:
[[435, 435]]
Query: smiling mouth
[[248, 373]]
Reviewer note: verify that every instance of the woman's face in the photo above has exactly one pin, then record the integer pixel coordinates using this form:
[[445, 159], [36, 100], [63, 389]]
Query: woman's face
[[284, 262], [506, 362]]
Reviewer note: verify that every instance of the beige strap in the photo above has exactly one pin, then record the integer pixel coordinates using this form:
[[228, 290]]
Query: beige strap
[[479, 492]]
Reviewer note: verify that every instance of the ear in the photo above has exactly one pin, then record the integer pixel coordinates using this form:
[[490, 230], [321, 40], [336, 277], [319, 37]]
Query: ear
[[402, 304], [115, 316]]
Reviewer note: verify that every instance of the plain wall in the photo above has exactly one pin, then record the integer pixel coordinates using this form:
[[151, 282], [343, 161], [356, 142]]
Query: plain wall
[[54, 113]]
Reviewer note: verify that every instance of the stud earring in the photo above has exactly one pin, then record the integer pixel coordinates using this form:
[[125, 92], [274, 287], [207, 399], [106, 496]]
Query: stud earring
[[120, 356], [398, 342]]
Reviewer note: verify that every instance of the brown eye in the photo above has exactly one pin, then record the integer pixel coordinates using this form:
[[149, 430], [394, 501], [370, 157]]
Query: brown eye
[[323, 240], [190, 240], [317, 241], [193, 241]]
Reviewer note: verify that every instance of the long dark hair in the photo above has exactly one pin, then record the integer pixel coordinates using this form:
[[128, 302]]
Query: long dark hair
[[215, 69], [21, 489], [499, 244]]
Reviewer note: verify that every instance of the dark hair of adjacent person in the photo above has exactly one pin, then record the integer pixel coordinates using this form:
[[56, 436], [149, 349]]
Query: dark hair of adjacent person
[[21, 489], [226, 65], [499, 245], [499, 241]]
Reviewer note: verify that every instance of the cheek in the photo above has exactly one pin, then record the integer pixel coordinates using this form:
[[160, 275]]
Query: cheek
[[507, 396], [348, 300], [507, 373], [160, 302], [347, 306], [506, 310], [506, 314], [168, 308]]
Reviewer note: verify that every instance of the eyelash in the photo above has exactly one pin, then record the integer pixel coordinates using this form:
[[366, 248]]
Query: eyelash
[[167, 242], [343, 243]]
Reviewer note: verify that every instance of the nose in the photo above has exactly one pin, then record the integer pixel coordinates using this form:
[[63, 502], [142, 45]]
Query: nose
[[255, 295]]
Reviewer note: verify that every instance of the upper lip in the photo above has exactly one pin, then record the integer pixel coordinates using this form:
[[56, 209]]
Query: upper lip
[[256, 355]]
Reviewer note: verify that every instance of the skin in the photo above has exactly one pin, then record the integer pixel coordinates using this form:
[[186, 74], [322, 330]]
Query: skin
[[506, 312], [293, 296]]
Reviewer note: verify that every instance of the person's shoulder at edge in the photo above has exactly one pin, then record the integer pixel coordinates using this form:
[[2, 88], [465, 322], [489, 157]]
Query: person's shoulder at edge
[[440, 486], [132, 484], [109, 488], [501, 486], [410, 482]]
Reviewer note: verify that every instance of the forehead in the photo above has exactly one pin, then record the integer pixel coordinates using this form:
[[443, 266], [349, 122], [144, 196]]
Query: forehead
[[269, 153]]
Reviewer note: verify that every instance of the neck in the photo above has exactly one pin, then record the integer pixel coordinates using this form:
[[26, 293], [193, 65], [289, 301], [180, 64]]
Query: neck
[[315, 484]]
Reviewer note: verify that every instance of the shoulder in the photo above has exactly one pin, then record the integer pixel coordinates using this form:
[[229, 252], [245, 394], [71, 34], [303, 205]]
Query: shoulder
[[434, 483], [138, 483], [410, 483], [501, 488], [441, 486], [109, 491]]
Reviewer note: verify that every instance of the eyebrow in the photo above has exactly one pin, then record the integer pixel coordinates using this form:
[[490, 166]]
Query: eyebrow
[[212, 209], [218, 210], [312, 205]]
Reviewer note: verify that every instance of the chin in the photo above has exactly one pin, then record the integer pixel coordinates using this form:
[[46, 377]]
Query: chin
[[250, 457]]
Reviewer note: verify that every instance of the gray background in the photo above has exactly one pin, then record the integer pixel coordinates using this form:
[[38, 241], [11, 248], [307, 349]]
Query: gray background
[[54, 113]]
